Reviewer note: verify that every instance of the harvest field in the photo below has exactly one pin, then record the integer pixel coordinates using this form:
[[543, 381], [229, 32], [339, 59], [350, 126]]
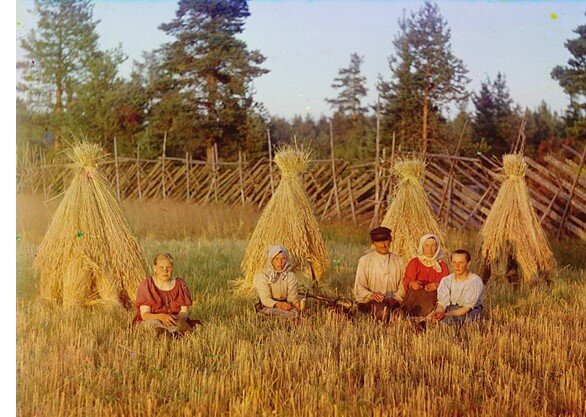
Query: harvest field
[[526, 359]]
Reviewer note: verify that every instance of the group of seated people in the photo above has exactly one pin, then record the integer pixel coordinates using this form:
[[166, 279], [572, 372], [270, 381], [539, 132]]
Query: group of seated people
[[423, 288], [384, 287]]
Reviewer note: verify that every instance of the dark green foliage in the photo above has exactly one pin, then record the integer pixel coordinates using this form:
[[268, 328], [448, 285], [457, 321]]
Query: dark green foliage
[[572, 78], [496, 120], [68, 82], [204, 81], [400, 97], [352, 90], [426, 76], [542, 125], [461, 125], [65, 72], [351, 127]]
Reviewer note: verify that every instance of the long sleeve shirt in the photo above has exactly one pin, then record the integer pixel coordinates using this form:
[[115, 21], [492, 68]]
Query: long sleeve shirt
[[416, 271], [284, 287], [468, 293], [378, 273]]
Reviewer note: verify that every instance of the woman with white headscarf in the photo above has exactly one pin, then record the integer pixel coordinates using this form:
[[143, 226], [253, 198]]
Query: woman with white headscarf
[[277, 285], [423, 275]]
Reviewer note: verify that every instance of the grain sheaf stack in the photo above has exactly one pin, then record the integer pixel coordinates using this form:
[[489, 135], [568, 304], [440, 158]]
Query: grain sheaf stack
[[410, 215], [288, 220], [512, 240], [89, 255]]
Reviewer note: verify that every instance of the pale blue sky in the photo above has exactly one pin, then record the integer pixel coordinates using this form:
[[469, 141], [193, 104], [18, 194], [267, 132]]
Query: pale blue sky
[[307, 42]]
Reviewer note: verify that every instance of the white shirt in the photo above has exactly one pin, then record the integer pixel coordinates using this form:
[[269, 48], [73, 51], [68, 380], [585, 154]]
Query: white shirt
[[284, 287], [468, 293], [379, 273]]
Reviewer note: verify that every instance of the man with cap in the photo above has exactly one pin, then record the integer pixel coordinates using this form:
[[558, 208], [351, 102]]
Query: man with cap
[[378, 289]]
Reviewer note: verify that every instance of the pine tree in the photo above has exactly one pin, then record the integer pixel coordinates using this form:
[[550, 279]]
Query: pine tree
[[542, 125], [400, 97], [350, 83], [496, 119], [57, 54], [350, 122], [96, 107], [572, 78], [426, 73], [209, 72]]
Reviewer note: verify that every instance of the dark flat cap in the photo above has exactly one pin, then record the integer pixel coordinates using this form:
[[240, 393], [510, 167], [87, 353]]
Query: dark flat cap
[[380, 234]]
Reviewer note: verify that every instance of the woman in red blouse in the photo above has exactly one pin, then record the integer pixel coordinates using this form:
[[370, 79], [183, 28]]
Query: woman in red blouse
[[163, 300], [423, 275]]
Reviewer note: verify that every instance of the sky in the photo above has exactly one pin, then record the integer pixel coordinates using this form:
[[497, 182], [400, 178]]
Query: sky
[[307, 42]]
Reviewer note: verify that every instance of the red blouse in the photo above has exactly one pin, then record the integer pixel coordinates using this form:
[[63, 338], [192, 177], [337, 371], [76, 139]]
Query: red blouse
[[416, 271], [160, 301]]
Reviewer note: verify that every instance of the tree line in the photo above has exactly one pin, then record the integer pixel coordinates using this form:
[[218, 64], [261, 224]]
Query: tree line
[[197, 91]]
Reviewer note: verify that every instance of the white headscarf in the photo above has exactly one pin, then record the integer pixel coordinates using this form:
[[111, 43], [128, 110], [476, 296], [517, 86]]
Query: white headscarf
[[270, 270], [433, 261]]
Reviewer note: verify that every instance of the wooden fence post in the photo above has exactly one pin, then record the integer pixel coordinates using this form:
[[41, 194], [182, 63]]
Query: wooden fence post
[[163, 167], [351, 199], [270, 161], [334, 175], [116, 168], [391, 169], [187, 169], [43, 162], [138, 171], [241, 178], [376, 170], [519, 145], [571, 196], [216, 169], [449, 182], [551, 203]]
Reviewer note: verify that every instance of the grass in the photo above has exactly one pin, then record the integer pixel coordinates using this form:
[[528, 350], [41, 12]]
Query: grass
[[526, 359]]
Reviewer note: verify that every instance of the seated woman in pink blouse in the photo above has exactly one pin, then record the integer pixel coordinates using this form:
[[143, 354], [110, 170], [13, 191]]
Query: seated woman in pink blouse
[[423, 275], [163, 300]]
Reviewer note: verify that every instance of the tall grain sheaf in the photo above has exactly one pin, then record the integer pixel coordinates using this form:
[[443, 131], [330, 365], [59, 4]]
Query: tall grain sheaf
[[410, 215], [287, 220], [511, 235], [89, 254]]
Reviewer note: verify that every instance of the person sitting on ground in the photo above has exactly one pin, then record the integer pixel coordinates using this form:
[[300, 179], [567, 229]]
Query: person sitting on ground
[[460, 294], [277, 285], [422, 277], [379, 274], [162, 300]]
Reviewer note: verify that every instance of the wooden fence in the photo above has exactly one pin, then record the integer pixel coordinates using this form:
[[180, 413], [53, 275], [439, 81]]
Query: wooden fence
[[461, 190]]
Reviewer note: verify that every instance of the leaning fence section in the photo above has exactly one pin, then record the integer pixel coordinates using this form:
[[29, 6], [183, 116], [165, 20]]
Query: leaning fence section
[[461, 190]]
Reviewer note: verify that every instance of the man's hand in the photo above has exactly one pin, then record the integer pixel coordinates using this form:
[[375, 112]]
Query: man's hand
[[167, 319], [438, 316], [296, 304], [283, 305], [431, 287], [414, 285], [378, 297]]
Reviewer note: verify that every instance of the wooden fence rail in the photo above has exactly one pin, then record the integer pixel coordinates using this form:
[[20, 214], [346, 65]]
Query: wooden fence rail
[[465, 188]]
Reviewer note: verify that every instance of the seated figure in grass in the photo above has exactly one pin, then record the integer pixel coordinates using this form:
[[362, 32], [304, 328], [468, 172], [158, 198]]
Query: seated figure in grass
[[162, 300], [422, 277], [277, 286], [379, 275], [460, 294]]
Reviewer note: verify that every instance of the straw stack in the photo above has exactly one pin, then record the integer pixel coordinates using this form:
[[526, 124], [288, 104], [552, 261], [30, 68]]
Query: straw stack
[[89, 254], [512, 231], [287, 220], [410, 215]]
